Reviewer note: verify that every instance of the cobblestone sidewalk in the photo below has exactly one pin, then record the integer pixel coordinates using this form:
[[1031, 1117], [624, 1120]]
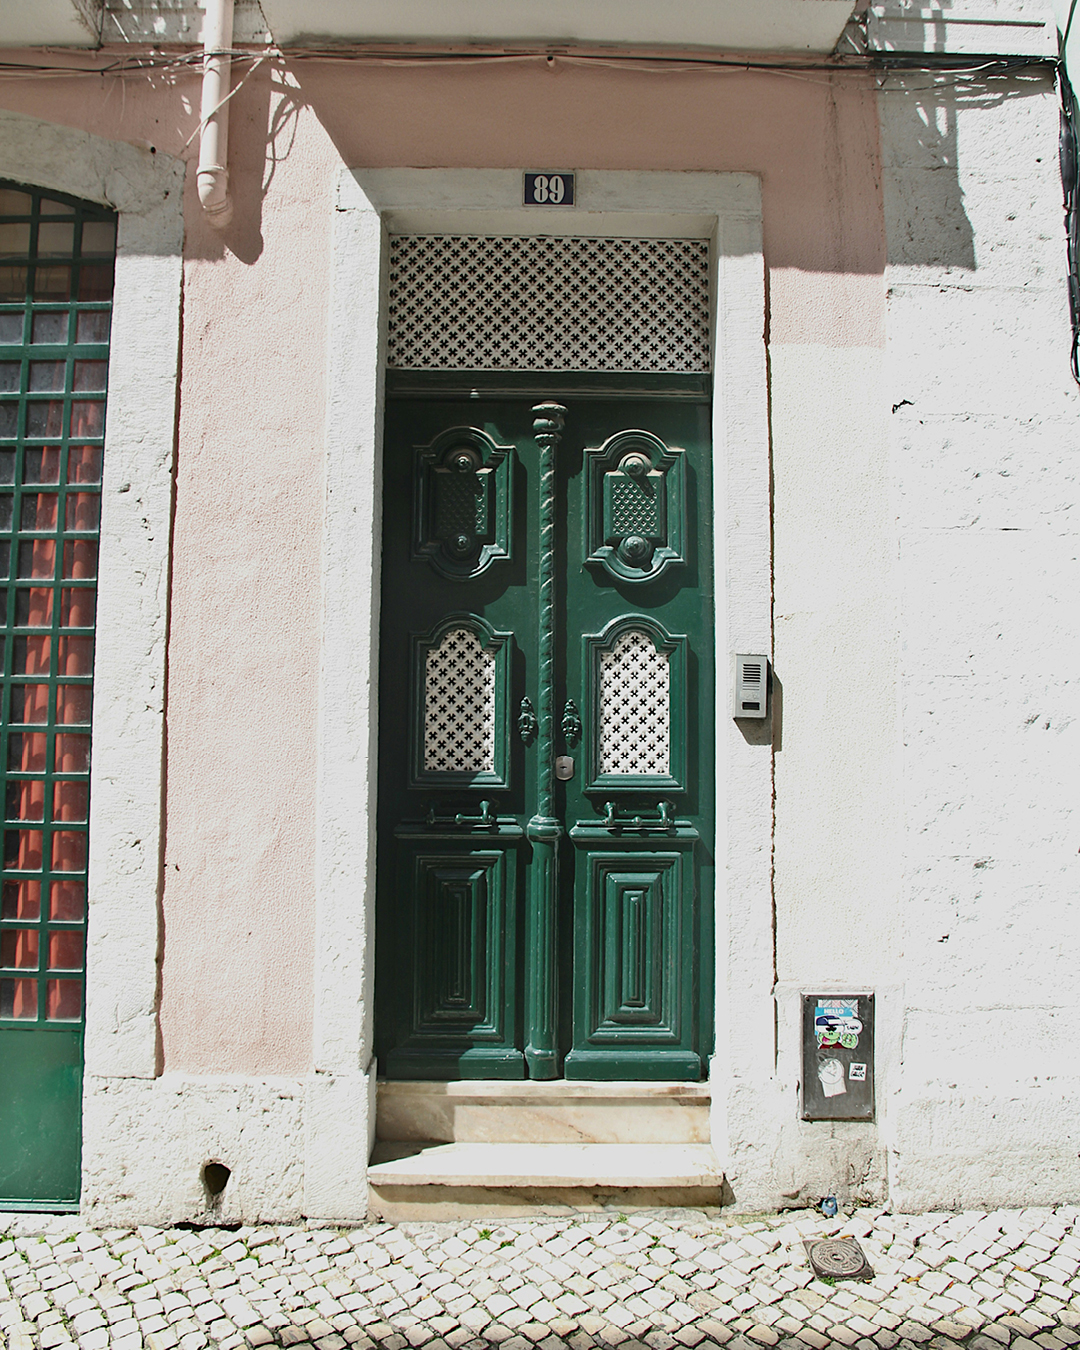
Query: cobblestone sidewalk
[[664, 1280]]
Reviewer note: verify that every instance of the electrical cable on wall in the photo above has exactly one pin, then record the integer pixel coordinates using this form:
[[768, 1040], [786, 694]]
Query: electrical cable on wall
[[1070, 182], [153, 60], [1069, 161]]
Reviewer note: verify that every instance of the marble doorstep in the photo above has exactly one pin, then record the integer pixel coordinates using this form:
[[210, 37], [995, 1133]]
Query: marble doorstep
[[484, 1149], [545, 1165], [557, 1112], [487, 1181], [494, 1181]]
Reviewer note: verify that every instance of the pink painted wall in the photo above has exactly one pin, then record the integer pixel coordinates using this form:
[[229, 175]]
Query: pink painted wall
[[239, 880], [812, 138]]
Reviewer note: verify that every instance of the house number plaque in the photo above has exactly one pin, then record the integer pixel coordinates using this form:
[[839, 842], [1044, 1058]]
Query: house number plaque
[[549, 188]]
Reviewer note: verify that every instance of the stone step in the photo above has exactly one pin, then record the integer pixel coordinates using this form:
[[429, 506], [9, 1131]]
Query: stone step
[[466, 1180], [560, 1112]]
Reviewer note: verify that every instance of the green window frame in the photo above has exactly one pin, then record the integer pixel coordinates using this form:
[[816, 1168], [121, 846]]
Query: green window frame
[[57, 258]]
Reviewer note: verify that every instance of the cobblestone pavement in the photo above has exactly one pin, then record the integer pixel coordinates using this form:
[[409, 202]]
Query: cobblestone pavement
[[661, 1279]]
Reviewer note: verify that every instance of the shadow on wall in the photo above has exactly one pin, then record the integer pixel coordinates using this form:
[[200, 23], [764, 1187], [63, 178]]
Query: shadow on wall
[[922, 114], [262, 133]]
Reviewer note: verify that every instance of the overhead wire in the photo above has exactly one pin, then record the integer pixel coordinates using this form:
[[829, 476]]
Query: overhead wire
[[159, 61]]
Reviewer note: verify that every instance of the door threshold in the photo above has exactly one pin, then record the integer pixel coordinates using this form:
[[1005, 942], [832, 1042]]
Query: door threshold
[[560, 1088], [462, 1180], [39, 1206]]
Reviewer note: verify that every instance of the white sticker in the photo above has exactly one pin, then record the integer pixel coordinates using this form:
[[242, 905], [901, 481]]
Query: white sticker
[[831, 1074], [857, 1073]]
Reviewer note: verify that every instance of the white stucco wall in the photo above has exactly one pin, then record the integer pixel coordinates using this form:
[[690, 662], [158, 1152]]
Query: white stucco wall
[[925, 569], [837, 836], [984, 442]]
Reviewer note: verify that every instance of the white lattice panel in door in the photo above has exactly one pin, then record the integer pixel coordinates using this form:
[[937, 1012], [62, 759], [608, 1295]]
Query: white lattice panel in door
[[459, 705], [635, 707]]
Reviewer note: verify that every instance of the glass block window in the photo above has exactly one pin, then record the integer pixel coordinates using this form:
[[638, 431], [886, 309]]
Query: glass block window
[[536, 303], [56, 279]]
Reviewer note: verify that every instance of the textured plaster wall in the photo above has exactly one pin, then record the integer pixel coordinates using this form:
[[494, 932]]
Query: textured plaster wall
[[239, 791], [244, 643], [837, 842], [984, 443]]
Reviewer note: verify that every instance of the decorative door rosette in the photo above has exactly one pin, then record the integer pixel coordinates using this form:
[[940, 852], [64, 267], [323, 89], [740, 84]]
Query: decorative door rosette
[[462, 495], [461, 717], [636, 732], [635, 506]]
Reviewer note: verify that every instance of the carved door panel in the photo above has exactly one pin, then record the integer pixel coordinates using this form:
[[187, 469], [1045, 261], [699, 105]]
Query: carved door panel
[[545, 740]]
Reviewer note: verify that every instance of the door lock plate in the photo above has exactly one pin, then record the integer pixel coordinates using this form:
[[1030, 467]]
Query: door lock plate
[[564, 768]]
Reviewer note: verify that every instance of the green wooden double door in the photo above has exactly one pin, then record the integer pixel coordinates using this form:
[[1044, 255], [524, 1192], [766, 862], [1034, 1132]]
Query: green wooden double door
[[546, 738]]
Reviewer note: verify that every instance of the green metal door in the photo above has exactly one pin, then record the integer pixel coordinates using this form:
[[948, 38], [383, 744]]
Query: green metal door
[[546, 768], [56, 272]]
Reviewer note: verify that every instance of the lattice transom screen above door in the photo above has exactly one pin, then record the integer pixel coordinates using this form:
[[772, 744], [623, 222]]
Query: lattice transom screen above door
[[534, 303]]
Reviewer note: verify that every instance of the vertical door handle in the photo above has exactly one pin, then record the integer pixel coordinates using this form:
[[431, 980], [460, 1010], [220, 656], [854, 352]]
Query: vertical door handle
[[527, 724], [571, 723]]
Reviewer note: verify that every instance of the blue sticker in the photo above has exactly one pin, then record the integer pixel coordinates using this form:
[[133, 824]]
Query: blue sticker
[[836, 1022]]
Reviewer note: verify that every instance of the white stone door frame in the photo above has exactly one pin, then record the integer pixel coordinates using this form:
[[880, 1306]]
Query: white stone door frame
[[372, 204]]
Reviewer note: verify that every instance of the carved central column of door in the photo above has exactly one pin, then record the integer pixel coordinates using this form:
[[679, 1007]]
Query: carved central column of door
[[544, 830]]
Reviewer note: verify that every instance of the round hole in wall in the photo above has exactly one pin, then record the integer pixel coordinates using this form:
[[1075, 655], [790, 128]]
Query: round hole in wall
[[215, 1177]]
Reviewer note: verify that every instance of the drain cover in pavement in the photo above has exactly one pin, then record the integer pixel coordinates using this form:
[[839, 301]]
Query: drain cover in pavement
[[838, 1259]]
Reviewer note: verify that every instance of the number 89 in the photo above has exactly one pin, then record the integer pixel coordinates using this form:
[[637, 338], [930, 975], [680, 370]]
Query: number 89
[[547, 189]]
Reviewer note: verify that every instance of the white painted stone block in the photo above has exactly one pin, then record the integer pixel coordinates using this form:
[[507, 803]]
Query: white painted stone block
[[147, 1141], [340, 1124], [987, 27], [972, 471], [964, 1150], [838, 827], [996, 926], [952, 351]]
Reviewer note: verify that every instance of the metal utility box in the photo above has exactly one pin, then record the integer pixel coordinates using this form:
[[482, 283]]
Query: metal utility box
[[837, 1057], [750, 697]]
